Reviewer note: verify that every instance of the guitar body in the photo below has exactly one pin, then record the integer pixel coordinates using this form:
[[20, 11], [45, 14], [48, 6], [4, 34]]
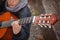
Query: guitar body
[[6, 33]]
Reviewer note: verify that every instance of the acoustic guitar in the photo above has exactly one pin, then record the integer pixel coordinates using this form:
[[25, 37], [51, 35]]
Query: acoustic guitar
[[7, 18]]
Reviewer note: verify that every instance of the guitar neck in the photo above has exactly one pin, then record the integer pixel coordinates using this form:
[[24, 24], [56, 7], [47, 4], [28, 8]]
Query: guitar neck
[[25, 20], [21, 21]]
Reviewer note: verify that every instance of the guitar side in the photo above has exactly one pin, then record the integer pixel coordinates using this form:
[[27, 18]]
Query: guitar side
[[4, 17]]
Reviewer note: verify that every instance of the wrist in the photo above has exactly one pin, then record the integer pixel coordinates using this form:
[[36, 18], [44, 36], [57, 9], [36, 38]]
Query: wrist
[[17, 30]]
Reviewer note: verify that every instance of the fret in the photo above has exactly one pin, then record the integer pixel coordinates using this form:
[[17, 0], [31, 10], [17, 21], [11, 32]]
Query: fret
[[30, 19], [27, 20], [23, 20], [20, 21]]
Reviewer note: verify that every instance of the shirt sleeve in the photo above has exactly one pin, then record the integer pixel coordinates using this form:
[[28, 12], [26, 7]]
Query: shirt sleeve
[[24, 33]]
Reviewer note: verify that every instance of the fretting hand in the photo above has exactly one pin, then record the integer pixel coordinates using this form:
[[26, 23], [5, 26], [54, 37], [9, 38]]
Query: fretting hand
[[16, 27]]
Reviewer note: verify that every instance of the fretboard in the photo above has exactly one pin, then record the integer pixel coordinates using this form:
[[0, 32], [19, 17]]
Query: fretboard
[[21, 21], [25, 20]]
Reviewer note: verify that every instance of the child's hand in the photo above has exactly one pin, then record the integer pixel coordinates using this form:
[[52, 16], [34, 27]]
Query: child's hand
[[16, 27]]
